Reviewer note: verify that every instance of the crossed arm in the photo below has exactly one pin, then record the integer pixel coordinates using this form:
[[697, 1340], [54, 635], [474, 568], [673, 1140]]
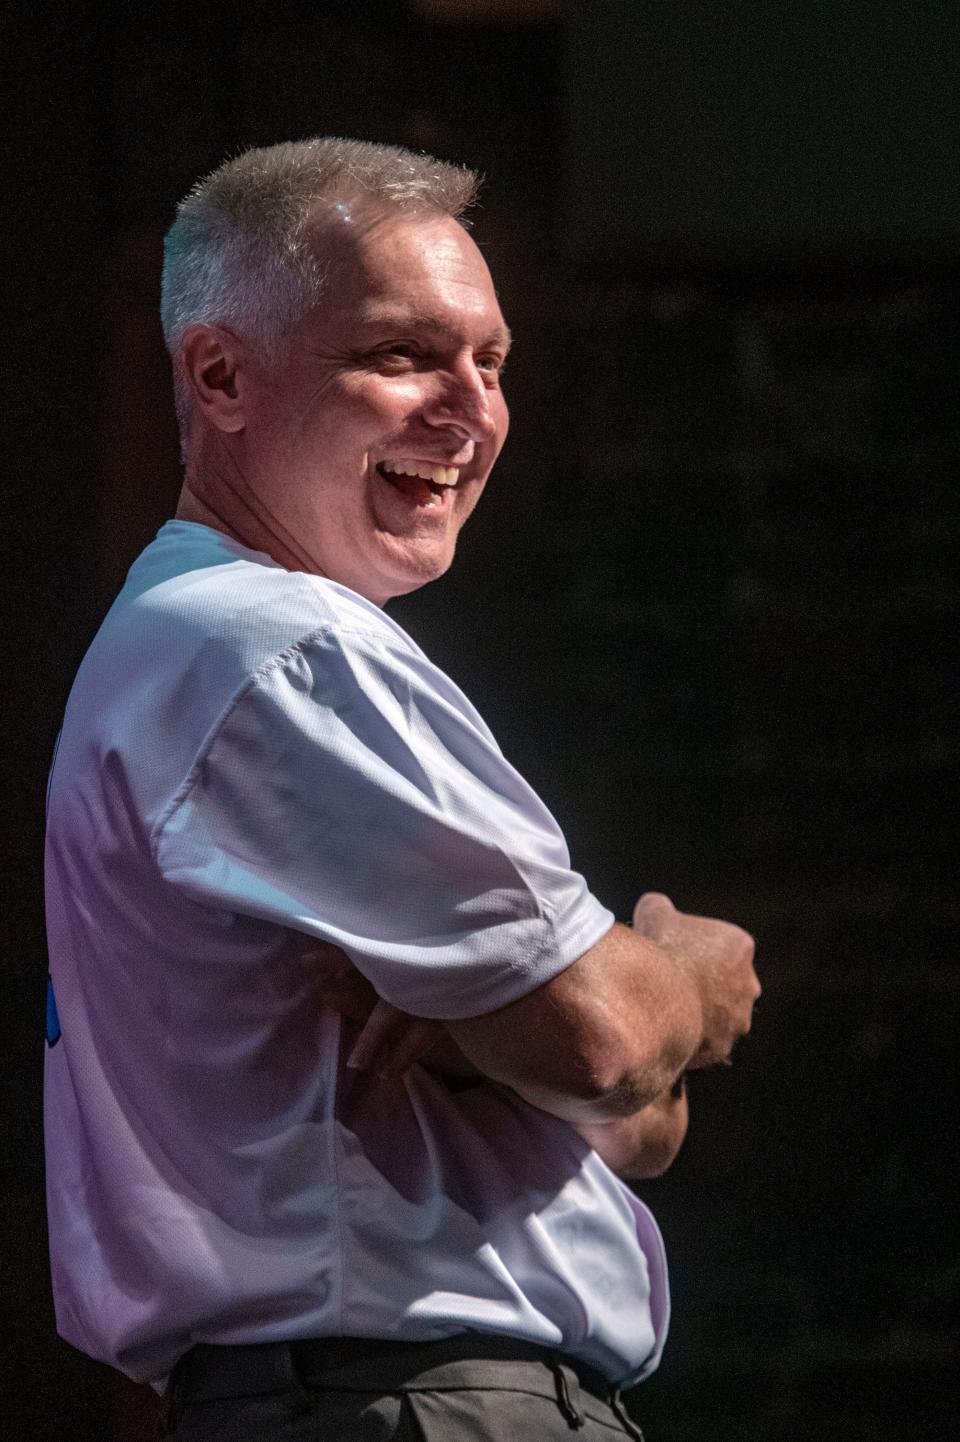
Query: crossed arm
[[605, 1045], [641, 1145]]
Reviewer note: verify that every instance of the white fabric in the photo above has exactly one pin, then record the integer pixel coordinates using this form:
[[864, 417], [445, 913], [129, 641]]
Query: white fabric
[[251, 758]]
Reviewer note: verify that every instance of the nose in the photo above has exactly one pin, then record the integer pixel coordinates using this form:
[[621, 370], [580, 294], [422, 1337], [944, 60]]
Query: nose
[[462, 401]]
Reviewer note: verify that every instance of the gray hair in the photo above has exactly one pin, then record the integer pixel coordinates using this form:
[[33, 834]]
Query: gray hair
[[239, 254]]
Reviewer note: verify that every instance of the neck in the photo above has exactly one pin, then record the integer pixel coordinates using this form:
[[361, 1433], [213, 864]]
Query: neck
[[224, 500]]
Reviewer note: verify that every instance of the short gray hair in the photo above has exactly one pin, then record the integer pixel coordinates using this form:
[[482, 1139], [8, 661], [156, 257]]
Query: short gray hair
[[238, 253]]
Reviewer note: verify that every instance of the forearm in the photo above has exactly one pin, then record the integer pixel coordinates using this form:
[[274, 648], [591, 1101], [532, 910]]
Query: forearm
[[600, 1041], [645, 1144], [605, 1038], [638, 1146]]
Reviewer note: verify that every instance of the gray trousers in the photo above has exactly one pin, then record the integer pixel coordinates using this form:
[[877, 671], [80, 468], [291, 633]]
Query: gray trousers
[[468, 1388]]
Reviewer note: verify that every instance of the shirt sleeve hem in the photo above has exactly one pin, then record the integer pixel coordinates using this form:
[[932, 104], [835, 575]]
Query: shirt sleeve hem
[[592, 924]]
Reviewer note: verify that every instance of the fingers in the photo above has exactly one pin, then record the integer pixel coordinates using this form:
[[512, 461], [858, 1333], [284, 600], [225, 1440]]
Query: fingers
[[417, 1038], [747, 947], [392, 1041], [383, 1024], [729, 1021]]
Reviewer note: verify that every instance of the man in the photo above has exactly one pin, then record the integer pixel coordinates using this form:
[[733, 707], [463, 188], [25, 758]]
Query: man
[[348, 1057]]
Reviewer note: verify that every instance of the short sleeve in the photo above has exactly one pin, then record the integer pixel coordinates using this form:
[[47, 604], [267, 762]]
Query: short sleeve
[[350, 791]]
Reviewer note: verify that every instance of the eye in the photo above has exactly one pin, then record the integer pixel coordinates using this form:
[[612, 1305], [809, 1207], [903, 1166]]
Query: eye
[[399, 350], [493, 365]]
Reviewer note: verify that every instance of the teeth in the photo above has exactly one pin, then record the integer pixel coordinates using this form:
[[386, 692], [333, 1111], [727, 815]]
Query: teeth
[[439, 475]]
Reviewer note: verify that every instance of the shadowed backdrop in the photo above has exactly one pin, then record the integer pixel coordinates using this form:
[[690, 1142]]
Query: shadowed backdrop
[[708, 604]]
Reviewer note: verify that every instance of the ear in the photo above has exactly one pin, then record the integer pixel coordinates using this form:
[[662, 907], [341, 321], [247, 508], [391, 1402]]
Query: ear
[[213, 361]]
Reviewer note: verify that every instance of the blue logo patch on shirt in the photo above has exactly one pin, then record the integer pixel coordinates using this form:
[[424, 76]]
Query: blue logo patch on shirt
[[53, 1021]]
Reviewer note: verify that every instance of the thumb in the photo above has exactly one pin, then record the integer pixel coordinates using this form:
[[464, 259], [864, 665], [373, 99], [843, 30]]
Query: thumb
[[653, 912]]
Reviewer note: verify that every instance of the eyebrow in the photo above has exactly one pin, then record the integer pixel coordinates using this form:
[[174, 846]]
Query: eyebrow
[[421, 320]]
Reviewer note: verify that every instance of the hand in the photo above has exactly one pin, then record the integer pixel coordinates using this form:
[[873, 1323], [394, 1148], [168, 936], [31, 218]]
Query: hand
[[719, 957], [391, 1040]]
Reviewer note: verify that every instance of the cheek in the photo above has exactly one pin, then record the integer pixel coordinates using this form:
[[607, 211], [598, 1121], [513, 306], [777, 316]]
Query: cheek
[[380, 403], [348, 416], [468, 501], [365, 416], [501, 415]]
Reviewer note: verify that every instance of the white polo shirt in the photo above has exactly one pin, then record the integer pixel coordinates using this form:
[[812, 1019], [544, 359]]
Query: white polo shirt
[[250, 758]]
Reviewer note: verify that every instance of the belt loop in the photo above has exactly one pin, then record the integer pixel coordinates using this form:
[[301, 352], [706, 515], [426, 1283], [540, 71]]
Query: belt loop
[[568, 1394], [630, 1426], [292, 1374]]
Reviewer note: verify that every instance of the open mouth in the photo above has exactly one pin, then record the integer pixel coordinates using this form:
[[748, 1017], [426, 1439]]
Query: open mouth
[[420, 481]]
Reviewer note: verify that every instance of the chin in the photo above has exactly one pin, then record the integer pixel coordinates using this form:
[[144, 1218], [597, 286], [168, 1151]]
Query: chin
[[411, 571]]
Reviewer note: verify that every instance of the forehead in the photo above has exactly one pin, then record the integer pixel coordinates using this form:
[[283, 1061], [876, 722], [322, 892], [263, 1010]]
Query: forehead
[[424, 271]]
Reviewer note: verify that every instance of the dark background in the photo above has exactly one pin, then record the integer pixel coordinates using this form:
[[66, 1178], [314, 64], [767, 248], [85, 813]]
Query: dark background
[[707, 605]]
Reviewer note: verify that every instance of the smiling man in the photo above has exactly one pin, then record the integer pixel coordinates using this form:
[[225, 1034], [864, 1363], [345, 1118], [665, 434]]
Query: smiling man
[[349, 1062], [359, 454]]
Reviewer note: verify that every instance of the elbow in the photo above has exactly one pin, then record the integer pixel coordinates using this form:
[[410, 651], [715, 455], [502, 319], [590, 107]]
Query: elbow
[[636, 1056], [592, 1084], [630, 1078]]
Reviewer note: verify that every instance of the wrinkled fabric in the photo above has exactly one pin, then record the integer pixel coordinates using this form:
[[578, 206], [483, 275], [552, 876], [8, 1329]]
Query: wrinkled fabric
[[253, 760], [434, 1392]]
